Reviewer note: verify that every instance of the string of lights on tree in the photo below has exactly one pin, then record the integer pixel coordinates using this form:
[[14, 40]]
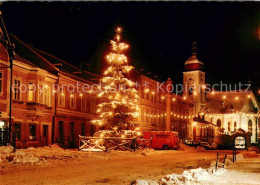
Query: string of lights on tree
[[120, 108]]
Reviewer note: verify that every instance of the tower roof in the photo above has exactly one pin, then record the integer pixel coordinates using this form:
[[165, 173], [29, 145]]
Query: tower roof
[[193, 63]]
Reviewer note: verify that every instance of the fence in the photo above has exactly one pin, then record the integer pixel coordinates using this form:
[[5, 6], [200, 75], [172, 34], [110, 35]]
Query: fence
[[220, 163], [234, 154], [112, 143]]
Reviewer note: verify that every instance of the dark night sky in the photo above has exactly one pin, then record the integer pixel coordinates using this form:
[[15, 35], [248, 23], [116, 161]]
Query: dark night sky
[[160, 34]]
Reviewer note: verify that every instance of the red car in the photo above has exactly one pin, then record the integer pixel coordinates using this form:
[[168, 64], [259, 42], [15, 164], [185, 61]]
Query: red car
[[163, 139]]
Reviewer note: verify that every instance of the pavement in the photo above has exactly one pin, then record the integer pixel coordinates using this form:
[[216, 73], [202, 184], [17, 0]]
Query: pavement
[[243, 171]]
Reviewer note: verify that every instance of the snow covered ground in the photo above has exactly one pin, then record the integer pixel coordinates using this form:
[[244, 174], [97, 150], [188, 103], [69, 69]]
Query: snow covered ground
[[55, 165], [244, 171]]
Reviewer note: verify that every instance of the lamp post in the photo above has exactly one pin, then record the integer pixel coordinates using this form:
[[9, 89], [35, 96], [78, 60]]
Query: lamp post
[[5, 40]]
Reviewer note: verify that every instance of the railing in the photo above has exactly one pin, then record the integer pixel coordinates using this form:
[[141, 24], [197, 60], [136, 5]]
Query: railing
[[106, 144], [234, 154], [218, 162]]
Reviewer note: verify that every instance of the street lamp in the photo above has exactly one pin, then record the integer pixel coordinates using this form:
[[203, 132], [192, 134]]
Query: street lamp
[[10, 49]]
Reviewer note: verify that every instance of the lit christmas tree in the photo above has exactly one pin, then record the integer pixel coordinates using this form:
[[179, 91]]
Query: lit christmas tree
[[120, 108]]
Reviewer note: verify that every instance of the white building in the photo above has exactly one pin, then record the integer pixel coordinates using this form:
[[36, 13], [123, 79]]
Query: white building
[[218, 113], [233, 110]]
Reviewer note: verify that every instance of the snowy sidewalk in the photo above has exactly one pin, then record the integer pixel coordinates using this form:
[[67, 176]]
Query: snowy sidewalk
[[244, 171]]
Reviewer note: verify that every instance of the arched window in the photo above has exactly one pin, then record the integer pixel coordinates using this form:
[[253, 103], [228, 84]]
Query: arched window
[[235, 126], [229, 126], [250, 128], [219, 123]]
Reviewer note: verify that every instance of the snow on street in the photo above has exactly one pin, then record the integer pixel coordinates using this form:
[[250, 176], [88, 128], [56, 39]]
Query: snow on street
[[244, 171], [59, 166]]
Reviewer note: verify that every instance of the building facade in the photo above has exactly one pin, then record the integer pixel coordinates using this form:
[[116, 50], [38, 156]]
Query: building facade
[[52, 102], [219, 114]]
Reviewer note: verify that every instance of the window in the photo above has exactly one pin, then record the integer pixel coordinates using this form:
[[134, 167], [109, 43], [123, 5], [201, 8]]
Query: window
[[32, 132], [40, 93], [17, 91], [72, 100], [31, 92], [218, 123], [142, 114], [93, 104], [17, 129], [1, 82], [235, 126], [229, 126], [62, 98], [147, 115], [45, 130], [250, 128], [88, 103], [83, 129], [83, 102], [47, 96], [152, 116]]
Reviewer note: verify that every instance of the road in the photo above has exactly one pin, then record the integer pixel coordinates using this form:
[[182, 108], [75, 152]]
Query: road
[[109, 168]]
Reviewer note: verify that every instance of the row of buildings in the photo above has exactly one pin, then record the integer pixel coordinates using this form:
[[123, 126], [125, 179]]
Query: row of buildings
[[47, 108]]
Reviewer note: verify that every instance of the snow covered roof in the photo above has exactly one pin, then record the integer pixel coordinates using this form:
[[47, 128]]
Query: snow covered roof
[[35, 57], [230, 102]]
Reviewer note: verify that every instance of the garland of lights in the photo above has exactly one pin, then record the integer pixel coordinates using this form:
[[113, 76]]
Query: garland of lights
[[120, 108]]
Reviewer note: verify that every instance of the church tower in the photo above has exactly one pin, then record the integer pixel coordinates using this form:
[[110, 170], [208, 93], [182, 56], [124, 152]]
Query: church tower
[[194, 81]]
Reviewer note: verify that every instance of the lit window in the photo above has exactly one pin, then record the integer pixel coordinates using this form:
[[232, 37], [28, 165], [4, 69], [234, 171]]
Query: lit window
[[47, 96], [72, 100], [40, 93], [62, 98], [17, 91], [32, 132], [30, 92], [250, 124], [83, 102]]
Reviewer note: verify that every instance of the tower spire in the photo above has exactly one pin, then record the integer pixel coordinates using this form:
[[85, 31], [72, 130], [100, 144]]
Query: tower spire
[[194, 48]]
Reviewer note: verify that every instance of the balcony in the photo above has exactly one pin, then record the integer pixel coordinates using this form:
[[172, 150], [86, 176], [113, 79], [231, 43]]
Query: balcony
[[37, 106]]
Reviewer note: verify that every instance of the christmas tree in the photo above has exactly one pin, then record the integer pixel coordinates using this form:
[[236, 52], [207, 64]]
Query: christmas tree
[[120, 108]]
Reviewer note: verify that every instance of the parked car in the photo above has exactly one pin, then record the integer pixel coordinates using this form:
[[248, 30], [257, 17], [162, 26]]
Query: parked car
[[240, 146], [163, 139], [208, 146], [191, 143]]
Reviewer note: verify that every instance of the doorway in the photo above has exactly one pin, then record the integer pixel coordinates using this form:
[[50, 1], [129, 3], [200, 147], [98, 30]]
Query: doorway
[[45, 135], [72, 134], [194, 133], [61, 132]]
